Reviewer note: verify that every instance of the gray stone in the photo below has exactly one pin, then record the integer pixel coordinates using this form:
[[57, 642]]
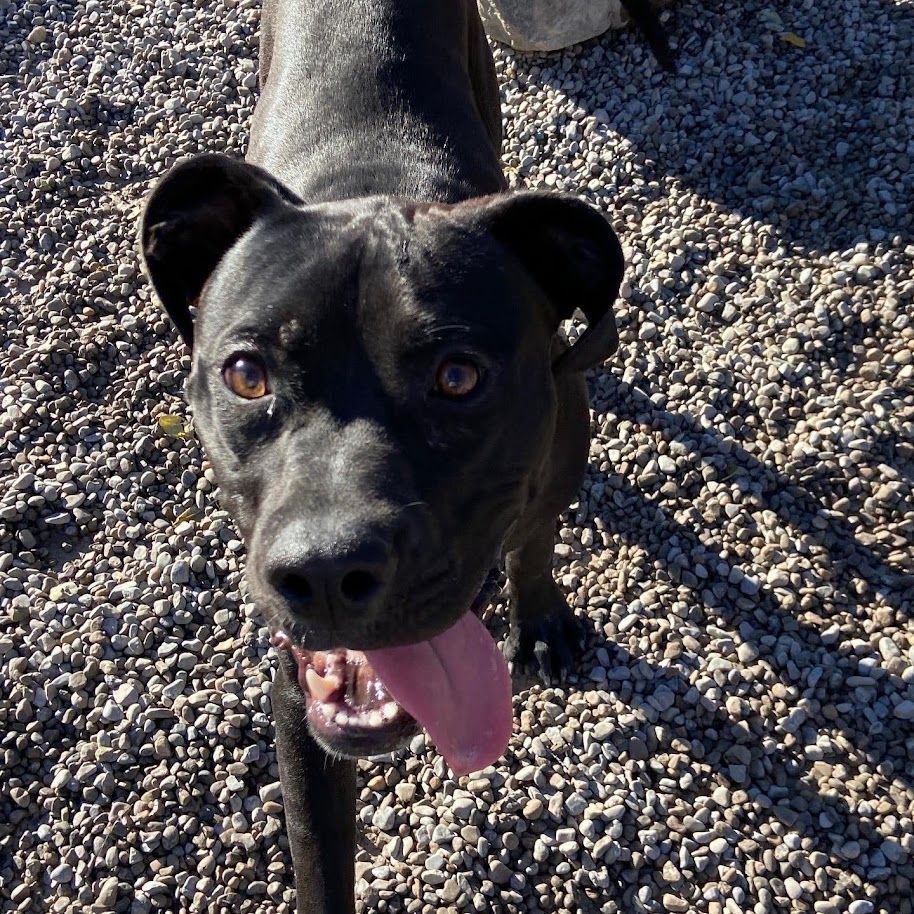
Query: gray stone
[[463, 808], [450, 891], [546, 25], [499, 873], [107, 893], [62, 873], [384, 818]]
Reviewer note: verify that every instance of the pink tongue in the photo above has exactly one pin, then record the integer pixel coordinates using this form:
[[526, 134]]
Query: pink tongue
[[458, 687]]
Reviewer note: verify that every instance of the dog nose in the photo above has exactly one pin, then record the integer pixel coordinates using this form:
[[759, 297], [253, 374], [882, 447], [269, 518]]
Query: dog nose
[[317, 581]]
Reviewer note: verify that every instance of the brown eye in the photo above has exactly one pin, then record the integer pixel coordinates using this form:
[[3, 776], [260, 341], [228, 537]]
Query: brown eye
[[246, 376], [456, 378]]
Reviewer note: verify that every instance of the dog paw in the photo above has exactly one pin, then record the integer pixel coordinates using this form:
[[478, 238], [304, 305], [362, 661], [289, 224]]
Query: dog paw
[[547, 644]]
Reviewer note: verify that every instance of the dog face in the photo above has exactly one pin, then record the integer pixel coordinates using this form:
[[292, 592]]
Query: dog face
[[374, 382]]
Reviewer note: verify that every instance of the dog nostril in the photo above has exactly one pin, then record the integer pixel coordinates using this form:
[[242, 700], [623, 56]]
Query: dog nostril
[[359, 586], [296, 588]]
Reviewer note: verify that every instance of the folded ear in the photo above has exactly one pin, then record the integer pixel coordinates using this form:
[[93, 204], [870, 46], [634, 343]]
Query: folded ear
[[574, 256], [194, 215]]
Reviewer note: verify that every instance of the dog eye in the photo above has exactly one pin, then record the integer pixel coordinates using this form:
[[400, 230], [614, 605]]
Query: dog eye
[[246, 376], [456, 378]]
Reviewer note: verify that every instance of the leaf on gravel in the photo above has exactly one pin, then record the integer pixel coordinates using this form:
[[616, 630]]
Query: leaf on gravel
[[173, 426], [794, 39], [189, 514]]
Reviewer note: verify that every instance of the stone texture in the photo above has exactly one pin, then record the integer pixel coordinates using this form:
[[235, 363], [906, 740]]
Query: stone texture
[[737, 737]]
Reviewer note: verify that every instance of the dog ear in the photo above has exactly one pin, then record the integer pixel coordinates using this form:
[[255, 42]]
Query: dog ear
[[574, 256], [194, 215]]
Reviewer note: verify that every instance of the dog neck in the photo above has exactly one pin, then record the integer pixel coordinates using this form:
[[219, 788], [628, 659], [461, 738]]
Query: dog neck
[[365, 97]]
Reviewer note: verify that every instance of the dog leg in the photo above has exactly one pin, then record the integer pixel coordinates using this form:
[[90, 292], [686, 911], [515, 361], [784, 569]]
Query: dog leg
[[646, 19], [482, 75], [545, 634], [319, 797]]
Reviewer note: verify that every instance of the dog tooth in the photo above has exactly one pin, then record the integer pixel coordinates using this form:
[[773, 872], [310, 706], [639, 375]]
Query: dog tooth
[[389, 709], [375, 719], [321, 687]]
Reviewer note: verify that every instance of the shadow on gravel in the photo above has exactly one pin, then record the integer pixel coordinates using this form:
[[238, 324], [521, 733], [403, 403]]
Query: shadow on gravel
[[778, 782], [826, 171], [779, 778], [799, 506], [59, 548], [887, 442], [789, 646]]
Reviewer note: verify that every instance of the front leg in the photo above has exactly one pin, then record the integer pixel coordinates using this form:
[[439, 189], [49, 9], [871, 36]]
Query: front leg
[[545, 633], [319, 797]]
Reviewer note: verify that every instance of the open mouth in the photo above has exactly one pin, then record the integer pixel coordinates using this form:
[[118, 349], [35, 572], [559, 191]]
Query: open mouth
[[349, 709], [455, 684]]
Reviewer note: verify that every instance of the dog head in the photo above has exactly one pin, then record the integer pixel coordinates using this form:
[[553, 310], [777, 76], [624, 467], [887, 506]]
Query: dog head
[[374, 382]]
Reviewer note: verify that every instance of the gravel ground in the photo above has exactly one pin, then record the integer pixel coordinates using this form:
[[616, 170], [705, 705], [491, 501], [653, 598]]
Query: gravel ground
[[741, 736]]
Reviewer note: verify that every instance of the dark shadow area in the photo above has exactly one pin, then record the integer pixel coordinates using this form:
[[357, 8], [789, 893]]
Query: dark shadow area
[[856, 569], [58, 547], [778, 782], [899, 453], [741, 753], [805, 506], [825, 171]]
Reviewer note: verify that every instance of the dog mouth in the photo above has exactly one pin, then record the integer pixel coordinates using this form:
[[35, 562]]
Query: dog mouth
[[455, 684], [349, 709]]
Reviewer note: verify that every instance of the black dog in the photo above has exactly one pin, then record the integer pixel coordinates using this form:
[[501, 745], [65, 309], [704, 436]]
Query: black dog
[[380, 384]]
